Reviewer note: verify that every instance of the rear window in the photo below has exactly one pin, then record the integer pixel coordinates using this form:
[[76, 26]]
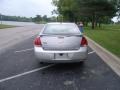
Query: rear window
[[61, 29]]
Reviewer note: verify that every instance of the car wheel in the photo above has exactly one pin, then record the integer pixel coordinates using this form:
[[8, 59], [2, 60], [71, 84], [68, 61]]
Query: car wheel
[[42, 63], [82, 62]]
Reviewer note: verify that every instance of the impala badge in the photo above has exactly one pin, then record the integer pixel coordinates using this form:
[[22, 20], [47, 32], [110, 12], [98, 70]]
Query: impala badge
[[44, 42]]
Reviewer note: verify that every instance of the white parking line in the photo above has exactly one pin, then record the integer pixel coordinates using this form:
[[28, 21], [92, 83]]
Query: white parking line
[[25, 73], [24, 50], [91, 52]]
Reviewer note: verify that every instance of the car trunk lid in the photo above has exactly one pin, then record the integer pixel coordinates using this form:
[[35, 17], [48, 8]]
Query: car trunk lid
[[61, 42]]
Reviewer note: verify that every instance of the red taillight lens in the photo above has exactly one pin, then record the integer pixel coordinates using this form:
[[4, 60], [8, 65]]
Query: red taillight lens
[[84, 42], [37, 42]]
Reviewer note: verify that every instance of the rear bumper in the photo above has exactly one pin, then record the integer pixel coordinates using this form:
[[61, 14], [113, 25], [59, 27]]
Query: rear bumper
[[53, 56]]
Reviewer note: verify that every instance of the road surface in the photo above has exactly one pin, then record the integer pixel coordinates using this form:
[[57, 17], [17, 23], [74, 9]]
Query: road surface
[[11, 36], [20, 71]]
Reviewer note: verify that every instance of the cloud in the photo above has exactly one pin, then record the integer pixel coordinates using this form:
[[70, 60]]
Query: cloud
[[28, 8]]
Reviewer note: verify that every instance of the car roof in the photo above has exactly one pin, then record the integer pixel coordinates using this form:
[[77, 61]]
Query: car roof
[[64, 23]]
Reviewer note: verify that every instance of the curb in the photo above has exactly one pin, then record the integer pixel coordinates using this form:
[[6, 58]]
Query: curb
[[109, 58]]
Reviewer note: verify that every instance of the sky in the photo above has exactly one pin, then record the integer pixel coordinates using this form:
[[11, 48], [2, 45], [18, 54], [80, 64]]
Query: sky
[[27, 8], [115, 19]]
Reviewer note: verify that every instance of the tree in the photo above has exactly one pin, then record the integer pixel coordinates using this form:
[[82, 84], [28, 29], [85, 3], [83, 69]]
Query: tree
[[98, 9], [67, 9], [44, 18], [87, 10], [38, 18], [15, 18]]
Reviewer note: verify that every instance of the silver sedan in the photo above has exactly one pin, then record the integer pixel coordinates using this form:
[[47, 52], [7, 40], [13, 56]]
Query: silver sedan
[[60, 43]]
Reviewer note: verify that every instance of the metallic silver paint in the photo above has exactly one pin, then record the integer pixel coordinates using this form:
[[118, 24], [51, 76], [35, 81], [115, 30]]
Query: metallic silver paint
[[61, 48]]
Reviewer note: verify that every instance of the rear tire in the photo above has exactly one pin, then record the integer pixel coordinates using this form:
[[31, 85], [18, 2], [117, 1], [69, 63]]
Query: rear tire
[[41, 62], [82, 62]]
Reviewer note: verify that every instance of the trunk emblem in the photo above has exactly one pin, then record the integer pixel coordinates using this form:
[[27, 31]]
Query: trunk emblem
[[44, 42], [61, 37]]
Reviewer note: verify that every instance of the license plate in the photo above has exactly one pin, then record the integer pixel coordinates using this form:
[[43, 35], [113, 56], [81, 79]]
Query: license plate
[[61, 56]]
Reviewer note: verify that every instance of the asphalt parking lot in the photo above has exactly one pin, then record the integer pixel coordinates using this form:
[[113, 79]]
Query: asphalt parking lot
[[20, 71]]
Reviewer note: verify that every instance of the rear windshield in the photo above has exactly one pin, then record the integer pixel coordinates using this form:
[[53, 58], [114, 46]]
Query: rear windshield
[[61, 29]]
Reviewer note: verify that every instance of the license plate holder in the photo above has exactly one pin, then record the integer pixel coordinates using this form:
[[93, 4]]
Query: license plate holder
[[61, 55]]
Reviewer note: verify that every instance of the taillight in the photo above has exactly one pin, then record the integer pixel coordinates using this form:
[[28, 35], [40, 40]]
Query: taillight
[[37, 42], [84, 42]]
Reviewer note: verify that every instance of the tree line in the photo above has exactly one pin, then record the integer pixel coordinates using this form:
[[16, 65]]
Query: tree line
[[14, 18], [94, 11], [36, 19], [39, 18]]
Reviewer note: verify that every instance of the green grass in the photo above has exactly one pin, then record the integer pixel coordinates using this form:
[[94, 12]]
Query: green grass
[[2, 26], [108, 37]]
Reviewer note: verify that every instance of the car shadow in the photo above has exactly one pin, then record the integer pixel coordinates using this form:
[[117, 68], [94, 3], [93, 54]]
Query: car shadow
[[64, 68], [67, 66]]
